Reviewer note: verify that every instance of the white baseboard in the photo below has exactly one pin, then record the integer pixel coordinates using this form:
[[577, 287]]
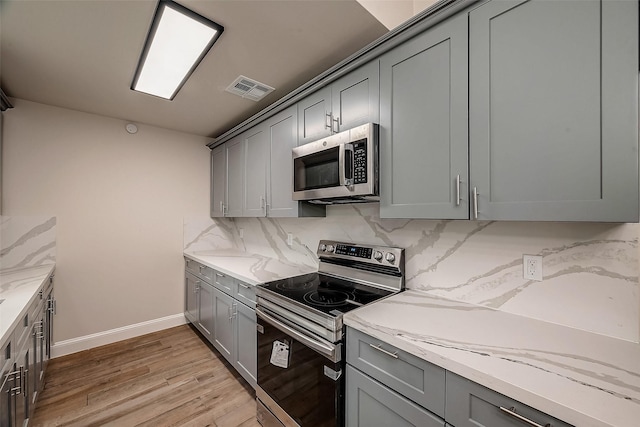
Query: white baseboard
[[62, 348]]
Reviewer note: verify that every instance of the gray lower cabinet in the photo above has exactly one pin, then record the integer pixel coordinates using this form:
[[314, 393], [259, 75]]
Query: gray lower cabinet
[[222, 308], [235, 332], [553, 110], [24, 358], [245, 348], [371, 404], [199, 305], [223, 327], [387, 386], [472, 405], [348, 102], [218, 181], [423, 125]]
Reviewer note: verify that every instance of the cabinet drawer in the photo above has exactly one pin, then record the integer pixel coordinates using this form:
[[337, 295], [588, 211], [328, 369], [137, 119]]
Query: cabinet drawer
[[370, 403], [200, 270], [471, 405], [412, 377], [225, 283], [245, 293]]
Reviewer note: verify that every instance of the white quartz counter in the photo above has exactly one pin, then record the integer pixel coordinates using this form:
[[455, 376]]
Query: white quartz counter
[[18, 289], [579, 377], [252, 269]]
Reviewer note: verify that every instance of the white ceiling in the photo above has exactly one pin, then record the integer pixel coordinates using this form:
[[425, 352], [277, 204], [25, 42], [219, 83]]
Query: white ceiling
[[82, 54]]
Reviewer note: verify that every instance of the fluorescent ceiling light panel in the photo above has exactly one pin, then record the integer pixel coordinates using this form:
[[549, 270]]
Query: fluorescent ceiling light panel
[[178, 40]]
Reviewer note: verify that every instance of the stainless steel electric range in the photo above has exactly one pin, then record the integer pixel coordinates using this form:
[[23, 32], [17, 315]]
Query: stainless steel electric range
[[300, 332]]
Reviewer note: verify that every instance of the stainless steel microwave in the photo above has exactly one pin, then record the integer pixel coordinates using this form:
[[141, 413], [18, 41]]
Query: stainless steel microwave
[[341, 168]]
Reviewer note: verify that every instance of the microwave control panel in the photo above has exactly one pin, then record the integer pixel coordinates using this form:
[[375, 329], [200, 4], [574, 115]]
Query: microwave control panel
[[360, 161]]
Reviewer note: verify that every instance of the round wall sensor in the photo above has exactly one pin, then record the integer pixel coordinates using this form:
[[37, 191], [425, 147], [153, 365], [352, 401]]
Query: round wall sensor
[[131, 128]]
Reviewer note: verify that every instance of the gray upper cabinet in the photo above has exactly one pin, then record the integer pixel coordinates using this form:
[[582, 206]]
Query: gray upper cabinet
[[314, 116], [355, 98], [218, 180], [256, 159], [423, 125], [235, 176], [350, 101], [553, 114], [282, 130]]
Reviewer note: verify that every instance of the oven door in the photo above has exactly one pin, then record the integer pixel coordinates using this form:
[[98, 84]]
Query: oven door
[[309, 390]]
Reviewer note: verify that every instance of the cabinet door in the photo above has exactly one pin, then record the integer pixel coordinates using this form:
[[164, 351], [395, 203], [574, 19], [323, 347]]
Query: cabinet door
[[235, 176], [206, 314], [283, 136], [355, 98], [218, 180], [314, 116], [48, 329], [191, 287], [371, 404], [423, 125], [553, 93], [245, 348], [256, 160], [223, 324]]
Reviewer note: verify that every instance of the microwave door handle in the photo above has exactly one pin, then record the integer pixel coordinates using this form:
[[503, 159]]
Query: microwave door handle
[[348, 166]]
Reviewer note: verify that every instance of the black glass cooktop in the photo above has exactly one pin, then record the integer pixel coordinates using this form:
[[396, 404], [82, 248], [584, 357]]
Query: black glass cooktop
[[325, 293]]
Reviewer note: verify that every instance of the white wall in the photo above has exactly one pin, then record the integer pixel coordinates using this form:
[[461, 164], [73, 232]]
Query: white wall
[[119, 200], [392, 13]]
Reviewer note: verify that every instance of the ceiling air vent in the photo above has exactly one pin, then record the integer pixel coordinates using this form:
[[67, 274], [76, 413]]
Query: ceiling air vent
[[248, 88]]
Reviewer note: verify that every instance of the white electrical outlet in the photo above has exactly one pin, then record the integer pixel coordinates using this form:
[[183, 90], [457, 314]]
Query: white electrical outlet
[[289, 239], [532, 267]]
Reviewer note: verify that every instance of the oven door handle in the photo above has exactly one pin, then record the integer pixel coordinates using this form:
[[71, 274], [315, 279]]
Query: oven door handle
[[327, 351]]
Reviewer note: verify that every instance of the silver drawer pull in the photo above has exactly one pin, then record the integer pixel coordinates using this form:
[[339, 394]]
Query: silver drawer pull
[[242, 285], [512, 413], [388, 353]]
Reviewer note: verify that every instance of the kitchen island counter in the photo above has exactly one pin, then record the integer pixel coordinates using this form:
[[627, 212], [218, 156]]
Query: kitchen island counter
[[18, 289], [579, 377]]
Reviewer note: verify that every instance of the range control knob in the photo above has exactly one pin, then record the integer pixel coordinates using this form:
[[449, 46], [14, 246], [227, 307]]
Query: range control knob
[[377, 255], [390, 257], [323, 247], [330, 248]]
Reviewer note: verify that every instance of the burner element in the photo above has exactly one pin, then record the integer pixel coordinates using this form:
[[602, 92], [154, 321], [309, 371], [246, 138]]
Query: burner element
[[326, 297], [291, 285]]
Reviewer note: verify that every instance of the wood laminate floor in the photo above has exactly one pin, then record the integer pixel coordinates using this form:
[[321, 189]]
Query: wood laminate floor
[[167, 378]]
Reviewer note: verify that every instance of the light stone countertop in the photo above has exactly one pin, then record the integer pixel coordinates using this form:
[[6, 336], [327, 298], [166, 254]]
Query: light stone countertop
[[252, 269], [579, 377], [19, 288]]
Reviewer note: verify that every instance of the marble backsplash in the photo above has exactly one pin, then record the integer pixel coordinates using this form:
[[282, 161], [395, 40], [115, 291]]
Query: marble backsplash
[[27, 241], [590, 270]]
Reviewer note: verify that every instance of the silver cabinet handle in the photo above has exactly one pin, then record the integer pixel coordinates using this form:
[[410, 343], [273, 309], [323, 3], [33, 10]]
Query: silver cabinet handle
[[234, 313], [387, 352], [221, 275], [475, 202], [458, 190], [230, 314], [327, 121], [222, 207], [512, 413], [242, 285], [337, 122]]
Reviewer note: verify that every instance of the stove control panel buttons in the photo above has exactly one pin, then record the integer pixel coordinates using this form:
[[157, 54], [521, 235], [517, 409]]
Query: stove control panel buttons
[[323, 247], [377, 255], [330, 248], [390, 257]]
